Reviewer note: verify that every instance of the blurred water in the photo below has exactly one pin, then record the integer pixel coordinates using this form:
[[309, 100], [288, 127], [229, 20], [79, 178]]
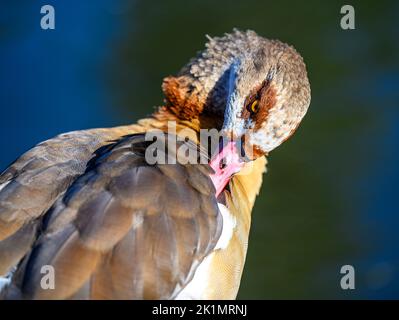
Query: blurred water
[[330, 196]]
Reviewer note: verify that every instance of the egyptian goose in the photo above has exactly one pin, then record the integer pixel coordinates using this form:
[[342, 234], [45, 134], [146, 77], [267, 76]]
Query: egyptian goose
[[113, 226]]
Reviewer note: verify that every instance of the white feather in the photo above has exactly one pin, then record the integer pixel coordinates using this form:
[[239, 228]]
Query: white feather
[[229, 223], [6, 279], [3, 185], [4, 282], [197, 287]]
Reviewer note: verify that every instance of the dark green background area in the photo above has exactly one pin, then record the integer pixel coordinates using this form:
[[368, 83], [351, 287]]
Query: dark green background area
[[330, 196]]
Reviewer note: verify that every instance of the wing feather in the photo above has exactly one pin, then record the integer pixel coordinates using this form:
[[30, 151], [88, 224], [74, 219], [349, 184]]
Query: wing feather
[[124, 229]]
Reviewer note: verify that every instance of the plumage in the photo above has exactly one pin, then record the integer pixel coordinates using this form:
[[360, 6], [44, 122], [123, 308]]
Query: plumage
[[114, 209], [115, 226]]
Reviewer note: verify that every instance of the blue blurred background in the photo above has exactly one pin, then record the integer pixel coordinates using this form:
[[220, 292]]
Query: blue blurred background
[[330, 196]]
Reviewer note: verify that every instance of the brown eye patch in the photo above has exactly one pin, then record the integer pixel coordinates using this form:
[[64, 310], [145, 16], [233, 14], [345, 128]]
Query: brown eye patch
[[258, 103]]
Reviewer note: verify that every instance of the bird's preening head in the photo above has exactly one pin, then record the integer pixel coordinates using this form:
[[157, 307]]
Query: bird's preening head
[[268, 95], [258, 88]]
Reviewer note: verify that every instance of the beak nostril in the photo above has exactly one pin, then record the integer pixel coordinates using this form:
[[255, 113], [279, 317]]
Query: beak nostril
[[225, 164], [222, 164]]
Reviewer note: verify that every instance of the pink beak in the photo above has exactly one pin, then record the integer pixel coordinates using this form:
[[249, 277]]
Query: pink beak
[[225, 163]]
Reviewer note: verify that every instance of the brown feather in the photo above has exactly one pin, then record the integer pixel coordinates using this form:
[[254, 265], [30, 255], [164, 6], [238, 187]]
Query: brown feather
[[124, 229]]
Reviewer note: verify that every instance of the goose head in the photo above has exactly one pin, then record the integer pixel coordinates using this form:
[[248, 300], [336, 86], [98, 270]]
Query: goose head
[[256, 89]]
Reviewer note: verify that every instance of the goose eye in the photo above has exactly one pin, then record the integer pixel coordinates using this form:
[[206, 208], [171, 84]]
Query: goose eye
[[254, 106]]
